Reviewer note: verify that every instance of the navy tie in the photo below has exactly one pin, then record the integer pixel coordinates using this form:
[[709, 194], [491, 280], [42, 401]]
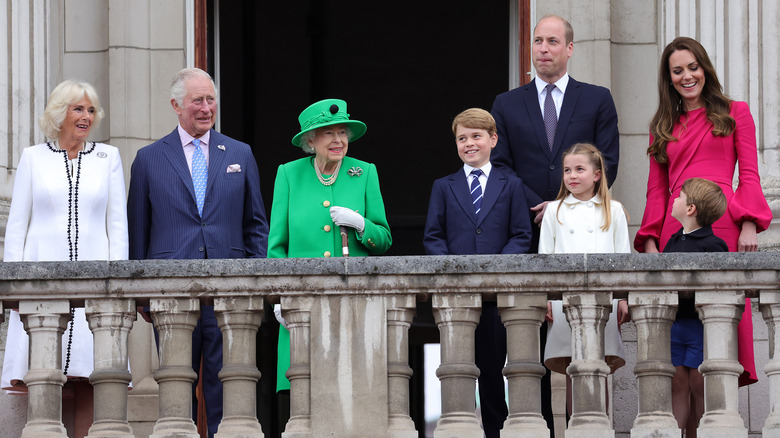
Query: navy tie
[[200, 174], [550, 116], [476, 191]]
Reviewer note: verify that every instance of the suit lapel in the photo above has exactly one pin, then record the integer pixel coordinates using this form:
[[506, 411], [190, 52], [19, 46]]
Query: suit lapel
[[496, 182], [460, 189], [570, 99], [217, 157], [531, 100], [174, 153]]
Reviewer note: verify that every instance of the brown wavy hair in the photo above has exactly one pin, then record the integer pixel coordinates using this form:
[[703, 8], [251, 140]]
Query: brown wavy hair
[[670, 105]]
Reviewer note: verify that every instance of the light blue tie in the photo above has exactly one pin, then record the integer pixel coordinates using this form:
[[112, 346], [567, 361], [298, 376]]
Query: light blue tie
[[200, 175]]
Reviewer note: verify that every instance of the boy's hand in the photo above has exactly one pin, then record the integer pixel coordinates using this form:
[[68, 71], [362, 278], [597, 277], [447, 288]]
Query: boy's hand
[[548, 316], [623, 314], [539, 209], [748, 241]]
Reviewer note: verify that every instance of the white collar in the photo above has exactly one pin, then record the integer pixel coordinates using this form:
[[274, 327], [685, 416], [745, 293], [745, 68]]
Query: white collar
[[485, 169], [571, 200], [559, 84]]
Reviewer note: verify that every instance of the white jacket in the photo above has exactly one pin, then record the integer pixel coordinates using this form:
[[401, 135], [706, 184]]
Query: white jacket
[[577, 228]]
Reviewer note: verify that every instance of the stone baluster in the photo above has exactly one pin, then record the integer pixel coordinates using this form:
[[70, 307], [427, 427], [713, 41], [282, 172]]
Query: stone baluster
[[457, 317], [45, 322], [400, 312], [175, 319], [770, 309], [110, 321], [523, 314], [588, 313], [297, 313], [239, 319], [654, 313], [720, 313]]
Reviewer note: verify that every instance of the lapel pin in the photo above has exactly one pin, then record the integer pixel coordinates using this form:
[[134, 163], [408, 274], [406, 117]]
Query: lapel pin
[[221, 147]]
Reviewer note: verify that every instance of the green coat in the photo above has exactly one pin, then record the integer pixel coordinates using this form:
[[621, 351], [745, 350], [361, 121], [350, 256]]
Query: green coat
[[301, 225]]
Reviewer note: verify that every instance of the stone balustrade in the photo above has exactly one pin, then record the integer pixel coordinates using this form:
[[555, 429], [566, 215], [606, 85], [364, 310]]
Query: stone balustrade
[[349, 321]]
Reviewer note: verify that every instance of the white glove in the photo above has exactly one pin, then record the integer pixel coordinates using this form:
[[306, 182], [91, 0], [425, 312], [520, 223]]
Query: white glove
[[278, 315], [345, 217]]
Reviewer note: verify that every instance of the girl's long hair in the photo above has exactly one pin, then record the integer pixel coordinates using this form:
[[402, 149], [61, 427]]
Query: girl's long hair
[[602, 189], [670, 105]]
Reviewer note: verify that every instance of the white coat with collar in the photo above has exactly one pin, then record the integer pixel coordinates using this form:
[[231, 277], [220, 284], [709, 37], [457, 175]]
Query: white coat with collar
[[577, 228]]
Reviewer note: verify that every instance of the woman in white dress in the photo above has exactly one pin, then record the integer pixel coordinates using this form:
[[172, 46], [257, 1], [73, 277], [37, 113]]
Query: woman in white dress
[[68, 204]]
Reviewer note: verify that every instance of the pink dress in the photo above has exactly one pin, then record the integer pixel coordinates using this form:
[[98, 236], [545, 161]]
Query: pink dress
[[699, 153]]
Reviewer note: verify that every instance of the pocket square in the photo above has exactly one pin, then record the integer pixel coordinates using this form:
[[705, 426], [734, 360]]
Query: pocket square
[[234, 168]]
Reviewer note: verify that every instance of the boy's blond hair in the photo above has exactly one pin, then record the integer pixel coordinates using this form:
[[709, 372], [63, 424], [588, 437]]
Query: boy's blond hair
[[475, 118], [708, 198]]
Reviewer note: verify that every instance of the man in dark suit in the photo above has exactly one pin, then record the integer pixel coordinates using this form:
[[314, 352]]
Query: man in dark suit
[[538, 121], [195, 194], [480, 209]]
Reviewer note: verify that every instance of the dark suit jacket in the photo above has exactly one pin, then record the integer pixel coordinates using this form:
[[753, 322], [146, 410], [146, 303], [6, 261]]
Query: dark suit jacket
[[163, 218], [503, 225], [588, 115]]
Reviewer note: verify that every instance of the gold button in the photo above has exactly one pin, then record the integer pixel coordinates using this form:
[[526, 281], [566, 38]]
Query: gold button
[[327, 254], [326, 204], [326, 228]]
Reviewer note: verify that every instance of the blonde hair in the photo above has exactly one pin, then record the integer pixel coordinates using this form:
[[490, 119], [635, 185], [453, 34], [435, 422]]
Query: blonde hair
[[65, 94], [602, 188], [708, 198], [475, 118]]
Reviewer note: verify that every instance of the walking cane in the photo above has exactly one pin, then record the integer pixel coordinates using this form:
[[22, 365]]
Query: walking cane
[[344, 241]]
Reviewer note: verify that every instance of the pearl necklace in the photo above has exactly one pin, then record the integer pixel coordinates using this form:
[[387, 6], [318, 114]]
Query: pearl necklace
[[329, 180]]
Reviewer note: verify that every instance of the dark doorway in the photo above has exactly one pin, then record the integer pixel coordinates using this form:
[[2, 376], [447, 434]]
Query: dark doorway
[[405, 68]]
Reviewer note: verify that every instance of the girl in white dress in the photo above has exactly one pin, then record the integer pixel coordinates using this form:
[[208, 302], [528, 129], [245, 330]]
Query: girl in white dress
[[583, 219], [68, 204]]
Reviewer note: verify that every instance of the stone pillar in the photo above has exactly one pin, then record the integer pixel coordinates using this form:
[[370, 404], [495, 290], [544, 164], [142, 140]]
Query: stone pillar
[[297, 313], [175, 320], [457, 317], [45, 322], [400, 312], [523, 315], [653, 314], [239, 320], [720, 313], [110, 321], [770, 309], [587, 313]]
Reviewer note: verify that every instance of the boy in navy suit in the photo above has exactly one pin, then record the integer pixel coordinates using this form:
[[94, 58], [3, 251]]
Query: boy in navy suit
[[700, 204], [480, 209]]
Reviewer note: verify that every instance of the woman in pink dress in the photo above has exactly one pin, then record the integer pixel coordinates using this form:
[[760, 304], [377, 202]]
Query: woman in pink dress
[[698, 131]]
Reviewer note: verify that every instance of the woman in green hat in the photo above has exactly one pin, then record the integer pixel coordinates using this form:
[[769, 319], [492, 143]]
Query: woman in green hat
[[315, 196]]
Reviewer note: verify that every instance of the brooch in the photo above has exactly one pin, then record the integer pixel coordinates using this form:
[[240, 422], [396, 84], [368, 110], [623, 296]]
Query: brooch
[[221, 147], [354, 171]]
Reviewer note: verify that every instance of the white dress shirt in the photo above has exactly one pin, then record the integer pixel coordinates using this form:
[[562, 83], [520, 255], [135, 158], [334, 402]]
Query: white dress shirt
[[558, 93]]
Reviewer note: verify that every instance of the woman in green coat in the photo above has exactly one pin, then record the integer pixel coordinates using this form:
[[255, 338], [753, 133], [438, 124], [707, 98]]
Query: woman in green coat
[[315, 196]]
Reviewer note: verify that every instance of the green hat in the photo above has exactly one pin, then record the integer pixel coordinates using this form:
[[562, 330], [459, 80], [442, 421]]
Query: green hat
[[325, 113]]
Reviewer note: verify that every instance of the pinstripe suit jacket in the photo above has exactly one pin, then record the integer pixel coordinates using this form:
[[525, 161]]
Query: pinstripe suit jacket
[[163, 218]]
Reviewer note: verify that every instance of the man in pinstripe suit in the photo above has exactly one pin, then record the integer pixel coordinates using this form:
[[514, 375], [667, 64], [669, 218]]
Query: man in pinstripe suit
[[169, 218]]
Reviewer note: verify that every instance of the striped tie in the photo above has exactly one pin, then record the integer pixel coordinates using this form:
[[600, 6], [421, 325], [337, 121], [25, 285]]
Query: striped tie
[[200, 174], [476, 191]]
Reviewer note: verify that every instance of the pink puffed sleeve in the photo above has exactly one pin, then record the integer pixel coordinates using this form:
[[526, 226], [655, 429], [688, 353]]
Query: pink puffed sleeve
[[748, 202], [655, 207]]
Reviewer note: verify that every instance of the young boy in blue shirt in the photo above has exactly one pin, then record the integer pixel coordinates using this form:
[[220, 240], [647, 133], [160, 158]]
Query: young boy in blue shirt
[[480, 209], [699, 205]]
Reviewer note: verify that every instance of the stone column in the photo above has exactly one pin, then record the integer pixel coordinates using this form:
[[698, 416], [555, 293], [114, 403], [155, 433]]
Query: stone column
[[653, 314], [720, 313], [110, 321], [297, 313], [770, 309], [523, 315], [239, 320], [457, 317], [400, 312], [45, 322], [587, 313], [175, 320]]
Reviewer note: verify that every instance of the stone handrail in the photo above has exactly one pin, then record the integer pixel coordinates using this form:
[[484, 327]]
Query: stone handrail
[[349, 320]]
